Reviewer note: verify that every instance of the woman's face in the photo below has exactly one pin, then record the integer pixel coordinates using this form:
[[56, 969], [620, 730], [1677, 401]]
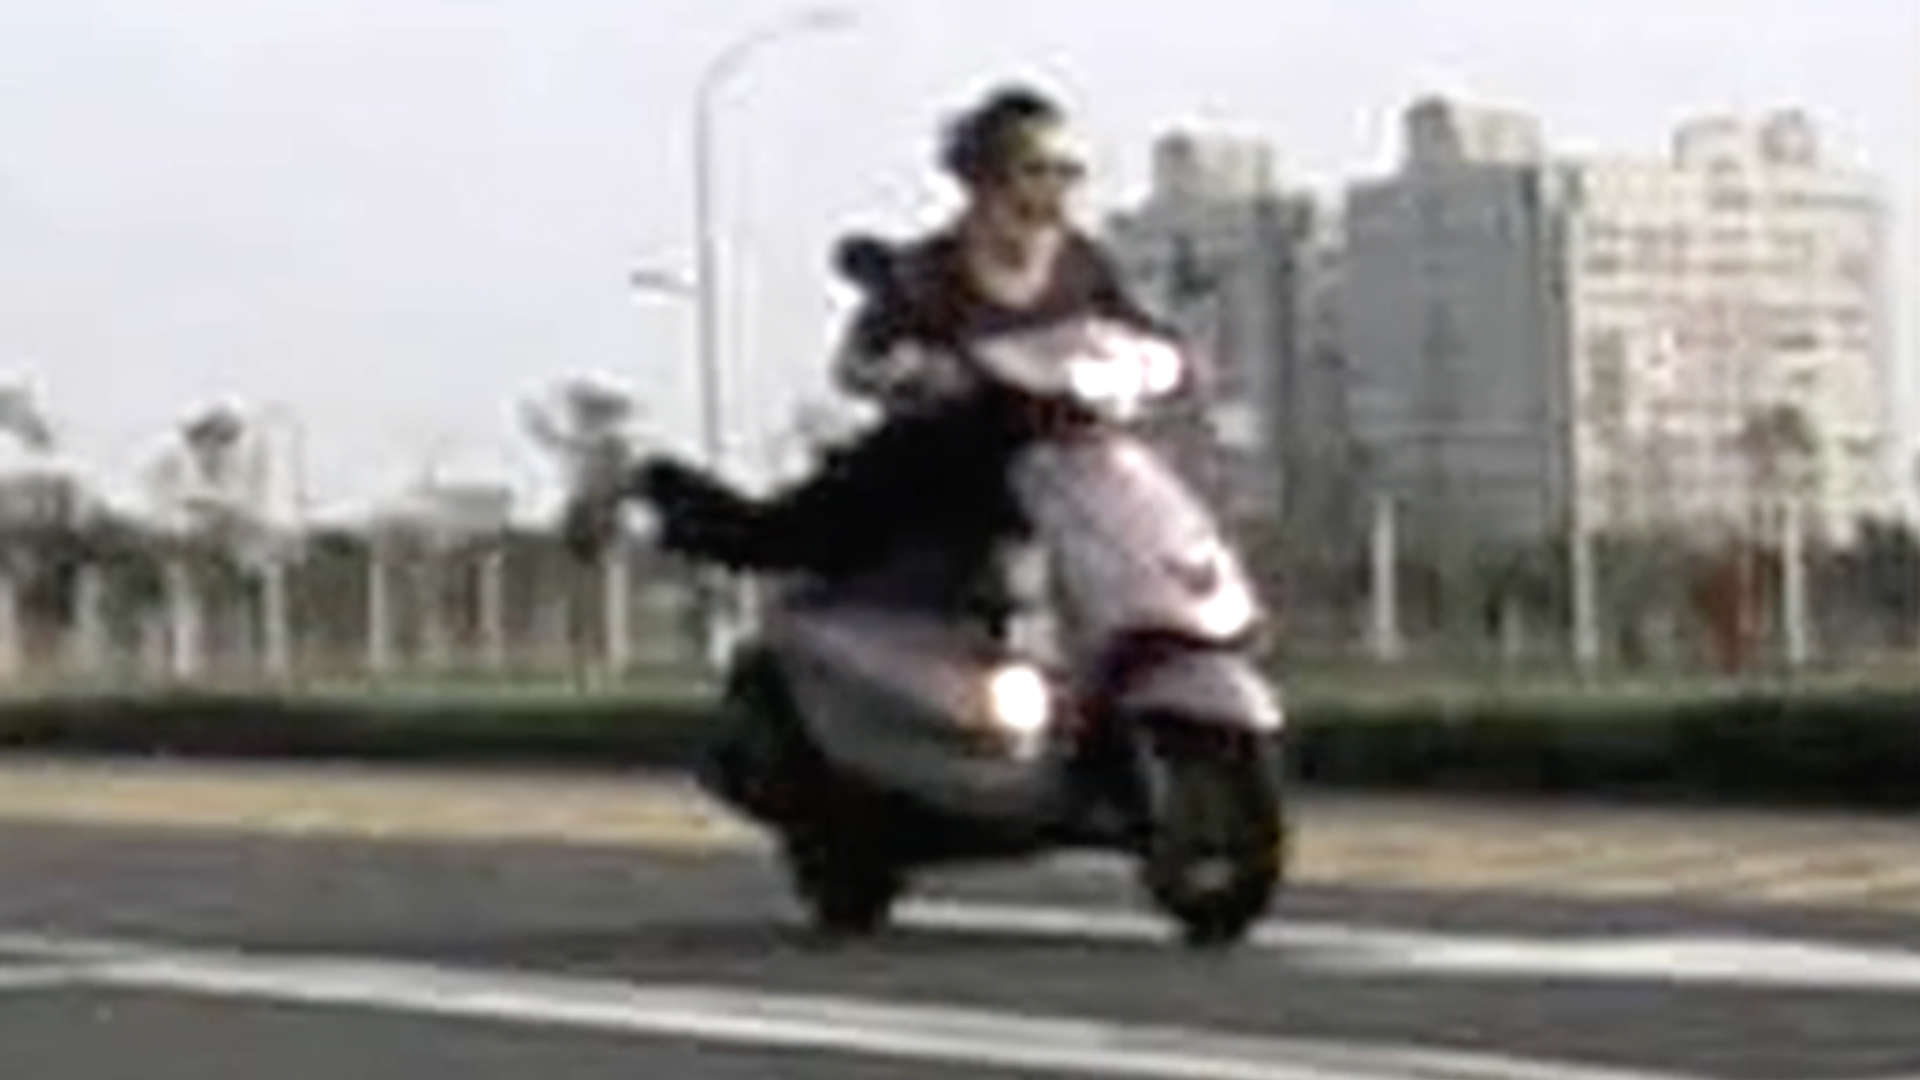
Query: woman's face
[[1035, 186]]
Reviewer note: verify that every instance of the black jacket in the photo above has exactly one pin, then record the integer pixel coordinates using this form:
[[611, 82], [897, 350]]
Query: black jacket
[[927, 299], [933, 479], [930, 481]]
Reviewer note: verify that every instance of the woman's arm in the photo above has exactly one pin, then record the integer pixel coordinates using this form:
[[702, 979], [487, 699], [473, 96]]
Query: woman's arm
[[921, 474]]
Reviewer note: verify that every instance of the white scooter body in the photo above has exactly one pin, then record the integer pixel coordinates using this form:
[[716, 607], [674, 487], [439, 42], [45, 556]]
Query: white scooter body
[[903, 699], [877, 733]]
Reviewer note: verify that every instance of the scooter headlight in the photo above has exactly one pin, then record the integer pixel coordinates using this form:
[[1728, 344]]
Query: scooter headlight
[[1161, 368], [1227, 611], [1121, 372], [1112, 385], [1019, 701]]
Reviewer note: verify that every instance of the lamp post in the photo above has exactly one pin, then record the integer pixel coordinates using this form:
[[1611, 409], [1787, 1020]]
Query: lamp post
[[704, 288], [724, 65]]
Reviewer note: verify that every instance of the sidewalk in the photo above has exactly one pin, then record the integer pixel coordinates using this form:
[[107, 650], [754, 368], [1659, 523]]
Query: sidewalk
[[1387, 841], [370, 802]]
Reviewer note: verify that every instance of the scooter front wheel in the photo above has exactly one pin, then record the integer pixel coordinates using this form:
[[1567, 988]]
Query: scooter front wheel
[[1215, 853]]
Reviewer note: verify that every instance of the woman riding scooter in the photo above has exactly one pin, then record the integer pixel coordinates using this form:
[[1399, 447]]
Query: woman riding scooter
[[883, 719], [1012, 259], [934, 468]]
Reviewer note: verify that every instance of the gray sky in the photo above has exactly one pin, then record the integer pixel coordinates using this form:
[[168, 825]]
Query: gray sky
[[400, 216]]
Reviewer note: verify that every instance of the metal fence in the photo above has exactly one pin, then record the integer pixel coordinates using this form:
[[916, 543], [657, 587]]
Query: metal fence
[[132, 610], [1659, 604], [77, 610]]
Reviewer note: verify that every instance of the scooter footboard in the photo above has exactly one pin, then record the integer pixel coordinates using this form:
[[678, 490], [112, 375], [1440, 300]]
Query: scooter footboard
[[902, 706]]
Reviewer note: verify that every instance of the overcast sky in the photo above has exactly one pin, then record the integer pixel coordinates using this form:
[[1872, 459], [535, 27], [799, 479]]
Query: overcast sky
[[400, 216]]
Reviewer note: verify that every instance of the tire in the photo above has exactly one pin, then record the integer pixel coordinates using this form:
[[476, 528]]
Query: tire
[[1215, 853], [764, 764], [848, 891], [761, 762]]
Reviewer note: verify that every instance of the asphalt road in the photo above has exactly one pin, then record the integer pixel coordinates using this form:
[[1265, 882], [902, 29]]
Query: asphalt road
[[159, 1037], [182, 953]]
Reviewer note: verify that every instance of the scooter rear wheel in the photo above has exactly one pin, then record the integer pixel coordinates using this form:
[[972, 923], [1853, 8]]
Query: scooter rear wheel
[[766, 766], [850, 893]]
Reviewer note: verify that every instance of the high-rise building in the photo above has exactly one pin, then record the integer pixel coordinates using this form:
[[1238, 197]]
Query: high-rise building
[[1452, 328], [1728, 332], [1679, 341], [1213, 250], [1322, 505]]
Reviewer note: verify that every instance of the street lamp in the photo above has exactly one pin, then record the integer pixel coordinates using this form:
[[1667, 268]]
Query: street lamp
[[705, 285], [704, 289]]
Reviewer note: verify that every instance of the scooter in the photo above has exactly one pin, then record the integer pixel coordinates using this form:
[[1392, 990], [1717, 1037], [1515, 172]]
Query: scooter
[[877, 740]]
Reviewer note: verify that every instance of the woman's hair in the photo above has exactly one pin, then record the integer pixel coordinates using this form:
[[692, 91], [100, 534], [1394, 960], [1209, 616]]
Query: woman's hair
[[981, 142]]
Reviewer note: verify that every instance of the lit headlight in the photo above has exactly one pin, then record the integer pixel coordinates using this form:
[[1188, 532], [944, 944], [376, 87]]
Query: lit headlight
[[1162, 368], [1018, 700], [1114, 383], [1118, 375], [1227, 611]]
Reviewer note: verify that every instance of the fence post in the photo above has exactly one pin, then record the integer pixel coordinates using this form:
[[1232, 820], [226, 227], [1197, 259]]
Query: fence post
[[185, 623], [89, 646], [1793, 584], [12, 652], [493, 607], [615, 605], [1586, 622], [379, 612], [279, 619], [1386, 640]]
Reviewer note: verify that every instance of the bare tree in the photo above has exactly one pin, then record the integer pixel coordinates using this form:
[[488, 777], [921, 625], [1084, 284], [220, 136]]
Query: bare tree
[[212, 488], [588, 429], [1780, 446]]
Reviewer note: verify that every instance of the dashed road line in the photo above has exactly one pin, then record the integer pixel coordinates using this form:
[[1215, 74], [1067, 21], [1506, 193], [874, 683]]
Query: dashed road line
[[1724, 960], [39, 976], [731, 1016]]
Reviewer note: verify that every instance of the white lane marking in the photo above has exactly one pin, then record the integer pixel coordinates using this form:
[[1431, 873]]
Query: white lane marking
[[1731, 960], [973, 1037], [39, 976], [1721, 959]]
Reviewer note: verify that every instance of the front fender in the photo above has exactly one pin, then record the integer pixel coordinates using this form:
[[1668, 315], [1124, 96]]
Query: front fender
[[1206, 685]]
